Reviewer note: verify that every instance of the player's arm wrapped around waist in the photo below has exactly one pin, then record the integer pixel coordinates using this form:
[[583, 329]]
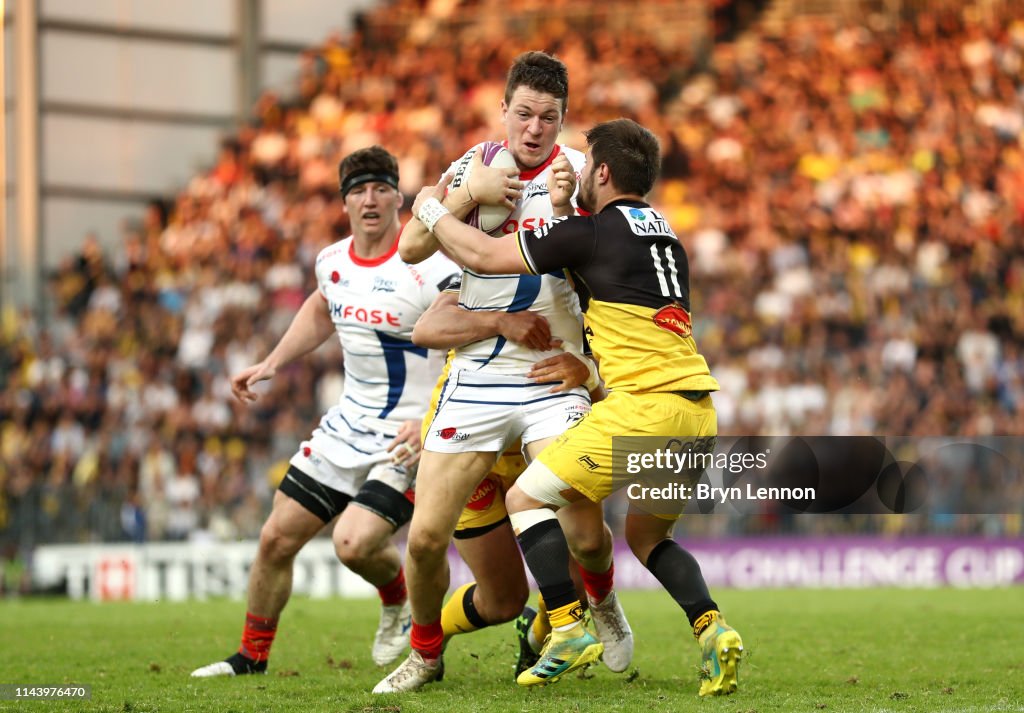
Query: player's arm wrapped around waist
[[593, 377]]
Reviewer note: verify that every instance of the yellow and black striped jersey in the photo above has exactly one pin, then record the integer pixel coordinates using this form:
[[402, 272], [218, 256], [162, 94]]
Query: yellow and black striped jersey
[[633, 280]]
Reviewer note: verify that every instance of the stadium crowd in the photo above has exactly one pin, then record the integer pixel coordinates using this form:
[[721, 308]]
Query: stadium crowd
[[851, 200]]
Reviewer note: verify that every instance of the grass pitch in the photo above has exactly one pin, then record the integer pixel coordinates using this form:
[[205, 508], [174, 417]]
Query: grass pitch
[[807, 650]]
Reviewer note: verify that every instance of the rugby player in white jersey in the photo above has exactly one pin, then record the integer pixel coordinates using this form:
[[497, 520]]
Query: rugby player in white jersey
[[490, 398], [365, 447], [632, 275]]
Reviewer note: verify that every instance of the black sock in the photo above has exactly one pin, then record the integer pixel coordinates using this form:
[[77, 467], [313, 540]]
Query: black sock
[[680, 575], [547, 555], [470, 609], [243, 664]]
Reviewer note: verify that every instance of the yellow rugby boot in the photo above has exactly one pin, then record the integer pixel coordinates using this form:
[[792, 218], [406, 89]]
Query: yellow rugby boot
[[563, 652], [722, 650]]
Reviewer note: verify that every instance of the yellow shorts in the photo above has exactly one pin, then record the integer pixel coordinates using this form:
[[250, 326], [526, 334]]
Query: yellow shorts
[[486, 506], [583, 457]]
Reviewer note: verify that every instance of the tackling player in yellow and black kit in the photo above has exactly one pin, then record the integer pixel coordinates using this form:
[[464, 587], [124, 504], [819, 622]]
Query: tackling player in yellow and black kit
[[632, 277]]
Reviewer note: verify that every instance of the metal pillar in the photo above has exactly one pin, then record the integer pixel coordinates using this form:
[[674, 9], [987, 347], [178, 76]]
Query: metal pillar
[[249, 25], [26, 266], [5, 262]]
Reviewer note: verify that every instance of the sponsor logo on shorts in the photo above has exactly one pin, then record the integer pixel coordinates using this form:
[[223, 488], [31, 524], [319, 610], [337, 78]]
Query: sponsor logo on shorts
[[588, 462], [574, 417], [307, 452], [483, 497], [451, 434], [673, 318], [582, 408]]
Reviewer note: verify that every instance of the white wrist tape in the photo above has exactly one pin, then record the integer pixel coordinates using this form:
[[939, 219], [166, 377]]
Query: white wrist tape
[[430, 212]]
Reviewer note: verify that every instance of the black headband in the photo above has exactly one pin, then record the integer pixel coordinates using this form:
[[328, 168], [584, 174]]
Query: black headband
[[357, 179]]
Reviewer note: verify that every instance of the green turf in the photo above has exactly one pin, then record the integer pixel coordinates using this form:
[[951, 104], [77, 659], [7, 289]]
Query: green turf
[[868, 650]]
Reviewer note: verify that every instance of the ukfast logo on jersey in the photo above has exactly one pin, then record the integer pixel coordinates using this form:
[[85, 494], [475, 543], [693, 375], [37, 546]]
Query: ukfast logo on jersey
[[646, 222], [364, 315]]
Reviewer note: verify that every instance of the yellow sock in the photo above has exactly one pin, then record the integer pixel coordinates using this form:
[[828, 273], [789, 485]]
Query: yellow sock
[[703, 622], [541, 623], [567, 615], [458, 615]]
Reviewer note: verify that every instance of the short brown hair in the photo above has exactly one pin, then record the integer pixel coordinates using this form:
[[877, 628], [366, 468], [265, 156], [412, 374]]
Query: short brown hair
[[631, 152], [365, 165], [540, 72]]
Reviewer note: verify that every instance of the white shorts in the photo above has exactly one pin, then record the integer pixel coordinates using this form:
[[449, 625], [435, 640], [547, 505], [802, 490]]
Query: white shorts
[[488, 412], [342, 456]]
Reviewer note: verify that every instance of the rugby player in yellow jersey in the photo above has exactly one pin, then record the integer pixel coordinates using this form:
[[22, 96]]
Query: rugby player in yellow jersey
[[632, 277]]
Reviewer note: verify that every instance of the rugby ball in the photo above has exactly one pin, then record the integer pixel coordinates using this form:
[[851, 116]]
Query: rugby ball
[[487, 218]]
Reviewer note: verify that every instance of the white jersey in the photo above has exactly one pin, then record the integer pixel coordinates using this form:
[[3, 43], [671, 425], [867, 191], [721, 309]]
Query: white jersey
[[374, 305], [550, 295]]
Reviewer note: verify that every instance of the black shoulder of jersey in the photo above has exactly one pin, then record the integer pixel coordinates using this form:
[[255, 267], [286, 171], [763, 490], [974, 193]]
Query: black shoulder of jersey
[[638, 258]]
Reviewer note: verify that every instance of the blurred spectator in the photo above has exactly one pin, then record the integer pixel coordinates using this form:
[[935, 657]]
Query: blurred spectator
[[851, 200]]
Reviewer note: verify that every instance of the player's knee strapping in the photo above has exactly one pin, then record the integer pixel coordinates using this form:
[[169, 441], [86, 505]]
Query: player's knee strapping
[[540, 483]]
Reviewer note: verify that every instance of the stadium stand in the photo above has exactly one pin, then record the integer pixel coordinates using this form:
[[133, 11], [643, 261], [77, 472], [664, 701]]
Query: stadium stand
[[858, 259]]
